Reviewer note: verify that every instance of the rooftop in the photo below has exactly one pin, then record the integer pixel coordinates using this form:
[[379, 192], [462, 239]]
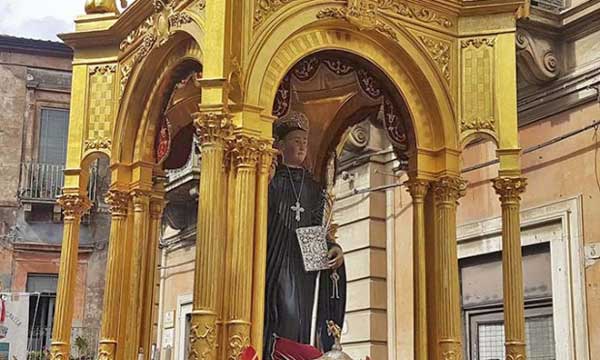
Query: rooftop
[[33, 46]]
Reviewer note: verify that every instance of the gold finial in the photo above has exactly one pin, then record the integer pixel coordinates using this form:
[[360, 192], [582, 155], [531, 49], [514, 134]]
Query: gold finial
[[103, 6]]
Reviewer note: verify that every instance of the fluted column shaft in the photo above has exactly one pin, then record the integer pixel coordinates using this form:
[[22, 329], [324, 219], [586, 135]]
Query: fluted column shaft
[[266, 154], [418, 189], [213, 129], [139, 252], [74, 206], [447, 190], [509, 190], [149, 294], [118, 202], [244, 155]]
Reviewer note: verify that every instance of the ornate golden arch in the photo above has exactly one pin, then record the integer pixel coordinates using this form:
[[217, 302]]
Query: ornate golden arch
[[428, 102]]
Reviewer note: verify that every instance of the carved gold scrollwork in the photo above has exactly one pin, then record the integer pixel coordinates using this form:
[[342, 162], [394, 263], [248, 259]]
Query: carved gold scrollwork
[[539, 63], [118, 202], [206, 335], [478, 42], [152, 33], [417, 188], [57, 355], [103, 69], [440, 53], [448, 189], [237, 343], [267, 156], [509, 188], [212, 126], [97, 144], [451, 355], [478, 103], [74, 205], [245, 150], [264, 8], [105, 355], [420, 14], [364, 14]]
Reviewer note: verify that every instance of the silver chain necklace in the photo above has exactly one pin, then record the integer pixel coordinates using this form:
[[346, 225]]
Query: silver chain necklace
[[297, 208]]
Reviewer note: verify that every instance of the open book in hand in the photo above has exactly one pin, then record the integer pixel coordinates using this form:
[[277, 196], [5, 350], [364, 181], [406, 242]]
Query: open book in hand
[[313, 245]]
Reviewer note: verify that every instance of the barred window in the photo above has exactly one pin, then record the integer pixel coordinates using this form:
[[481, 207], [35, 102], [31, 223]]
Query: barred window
[[54, 127]]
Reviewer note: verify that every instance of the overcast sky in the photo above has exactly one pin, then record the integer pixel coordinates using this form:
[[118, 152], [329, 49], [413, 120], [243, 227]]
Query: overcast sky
[[39, 19]]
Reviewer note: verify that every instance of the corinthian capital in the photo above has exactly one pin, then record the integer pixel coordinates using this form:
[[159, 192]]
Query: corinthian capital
[[74, 205], [448, 189], [212, 127], [509, 188], [417, 188], [245, 150], [118, 202], [267, 156]]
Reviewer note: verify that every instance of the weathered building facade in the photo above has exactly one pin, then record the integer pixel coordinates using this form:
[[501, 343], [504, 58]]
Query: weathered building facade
[[35, 88]]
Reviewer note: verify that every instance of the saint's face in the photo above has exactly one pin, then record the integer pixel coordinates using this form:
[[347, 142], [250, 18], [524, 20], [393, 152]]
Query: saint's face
[[295, 147]]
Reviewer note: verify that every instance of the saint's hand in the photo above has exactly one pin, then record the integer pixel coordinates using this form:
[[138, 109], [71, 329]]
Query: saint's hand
[[336, 257]]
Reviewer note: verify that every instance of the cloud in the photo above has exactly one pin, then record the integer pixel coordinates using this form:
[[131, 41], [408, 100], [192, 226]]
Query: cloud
[[45, 28], [38, 19]]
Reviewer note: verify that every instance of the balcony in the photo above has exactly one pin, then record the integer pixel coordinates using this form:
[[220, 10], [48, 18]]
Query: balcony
[[43, 183], [84, 343]]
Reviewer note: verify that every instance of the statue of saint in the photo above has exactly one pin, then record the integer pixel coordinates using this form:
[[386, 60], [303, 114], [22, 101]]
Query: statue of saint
[[296, 200]]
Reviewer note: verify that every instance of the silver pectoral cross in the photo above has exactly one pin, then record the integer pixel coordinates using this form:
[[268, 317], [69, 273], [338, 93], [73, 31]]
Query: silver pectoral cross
[[297, 209]]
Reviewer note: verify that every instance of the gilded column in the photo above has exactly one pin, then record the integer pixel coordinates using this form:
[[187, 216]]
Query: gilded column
[[418, 189], [213, 128], [118, 202], [266, 154], [446, 191], [74, 206], [509, 189], [139, 253], [149, 297], [240, 251]]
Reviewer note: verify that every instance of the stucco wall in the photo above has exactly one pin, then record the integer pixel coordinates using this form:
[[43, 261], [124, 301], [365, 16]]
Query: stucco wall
[[565, 169]]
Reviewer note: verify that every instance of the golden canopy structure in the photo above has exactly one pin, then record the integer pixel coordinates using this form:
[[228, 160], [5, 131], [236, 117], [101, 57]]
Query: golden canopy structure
[[450, 62]]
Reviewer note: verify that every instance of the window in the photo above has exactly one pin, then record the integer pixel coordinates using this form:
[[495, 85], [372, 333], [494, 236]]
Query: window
[[486, 334], [42, 288], [54, 127]]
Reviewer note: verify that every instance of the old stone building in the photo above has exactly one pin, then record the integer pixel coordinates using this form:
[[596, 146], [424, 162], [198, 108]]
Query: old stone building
[[558, 60], [35, 90]]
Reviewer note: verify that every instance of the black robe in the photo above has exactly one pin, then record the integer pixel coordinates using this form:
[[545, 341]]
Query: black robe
[[289, 294]]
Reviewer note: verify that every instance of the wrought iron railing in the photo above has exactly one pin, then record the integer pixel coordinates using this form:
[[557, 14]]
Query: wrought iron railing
[[84, 343], [43, 182]]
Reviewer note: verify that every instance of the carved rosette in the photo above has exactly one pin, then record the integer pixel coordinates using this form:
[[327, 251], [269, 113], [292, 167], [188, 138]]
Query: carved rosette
[[417, 188], [212, 127], [245, 151], [74, 205], [118, 202], [448, 189], [510, 188]]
